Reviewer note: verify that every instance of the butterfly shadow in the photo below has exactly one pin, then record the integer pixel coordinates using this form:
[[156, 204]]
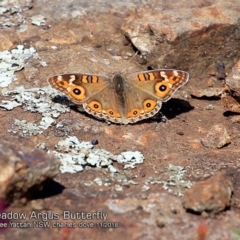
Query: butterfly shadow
[[175, 107], [62, 100]]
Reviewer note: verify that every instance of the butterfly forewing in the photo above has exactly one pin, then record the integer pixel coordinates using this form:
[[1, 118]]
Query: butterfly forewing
[[160, 83], [79, 87]]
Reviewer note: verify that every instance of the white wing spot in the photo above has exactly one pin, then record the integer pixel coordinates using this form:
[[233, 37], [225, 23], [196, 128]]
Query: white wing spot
[[175, 73], [59, 78], [162, 73], [72, 78]]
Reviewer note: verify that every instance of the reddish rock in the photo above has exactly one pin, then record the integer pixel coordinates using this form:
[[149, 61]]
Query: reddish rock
[[230, 103], [197, 35], [211, 195], [22, 168], [233, 79], [231, 99], [217, 137]]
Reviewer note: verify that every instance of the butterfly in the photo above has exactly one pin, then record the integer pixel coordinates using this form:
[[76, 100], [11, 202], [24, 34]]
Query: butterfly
[[121, 99]]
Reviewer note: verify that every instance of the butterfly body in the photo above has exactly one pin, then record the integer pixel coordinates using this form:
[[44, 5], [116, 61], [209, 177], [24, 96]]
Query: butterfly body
[[121, 99]]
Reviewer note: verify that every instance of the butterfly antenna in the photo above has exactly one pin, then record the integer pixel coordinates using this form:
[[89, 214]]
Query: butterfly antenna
[[109, 66], [129, 60], [101, 61]]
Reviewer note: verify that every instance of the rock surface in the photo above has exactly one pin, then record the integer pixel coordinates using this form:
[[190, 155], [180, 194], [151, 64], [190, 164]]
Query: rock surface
[[212, 195], [22, 170], [217, 137], [100, 37]]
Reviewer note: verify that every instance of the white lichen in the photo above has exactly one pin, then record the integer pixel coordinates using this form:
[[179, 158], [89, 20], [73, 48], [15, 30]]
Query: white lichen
[[75, 155], [12, 61], [172, 180], [34, 100]]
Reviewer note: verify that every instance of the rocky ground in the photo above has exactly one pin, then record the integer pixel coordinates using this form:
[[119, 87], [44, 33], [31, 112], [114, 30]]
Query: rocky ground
[[77, 177]]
